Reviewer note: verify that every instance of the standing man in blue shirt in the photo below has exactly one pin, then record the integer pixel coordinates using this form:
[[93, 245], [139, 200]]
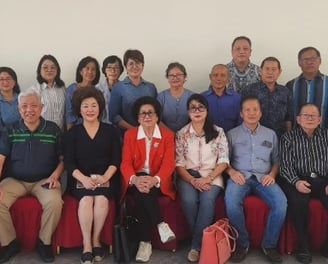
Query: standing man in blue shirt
[[224, 103], [253, 168], [311, 86]]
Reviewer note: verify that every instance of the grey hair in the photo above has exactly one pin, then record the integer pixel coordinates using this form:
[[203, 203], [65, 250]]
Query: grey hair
[[29, 92]]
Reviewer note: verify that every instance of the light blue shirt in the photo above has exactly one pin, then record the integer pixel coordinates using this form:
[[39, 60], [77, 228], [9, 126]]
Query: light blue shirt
[[71, 118], [8, 111], [253, 153], [174, 111], [123, 96]]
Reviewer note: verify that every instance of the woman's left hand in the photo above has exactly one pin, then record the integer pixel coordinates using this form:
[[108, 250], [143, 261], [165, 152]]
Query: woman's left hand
[[100, 179], [202, 184]]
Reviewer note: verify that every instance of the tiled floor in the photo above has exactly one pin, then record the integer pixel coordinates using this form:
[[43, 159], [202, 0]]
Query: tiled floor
[[69, 256]]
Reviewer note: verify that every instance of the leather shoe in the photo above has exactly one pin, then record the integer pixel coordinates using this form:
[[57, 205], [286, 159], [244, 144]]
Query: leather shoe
[[303, 256], [45, 251], [324, 250], [9, 251], [272, 255], [239, 254]]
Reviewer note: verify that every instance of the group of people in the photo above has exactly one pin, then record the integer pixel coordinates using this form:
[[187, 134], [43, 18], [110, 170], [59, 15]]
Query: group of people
[[245, 134]]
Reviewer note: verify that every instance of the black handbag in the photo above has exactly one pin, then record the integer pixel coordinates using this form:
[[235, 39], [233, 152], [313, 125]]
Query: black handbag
[[125, 244]]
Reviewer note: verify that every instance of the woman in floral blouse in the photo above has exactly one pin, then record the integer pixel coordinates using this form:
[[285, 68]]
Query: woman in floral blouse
[[201, 157]]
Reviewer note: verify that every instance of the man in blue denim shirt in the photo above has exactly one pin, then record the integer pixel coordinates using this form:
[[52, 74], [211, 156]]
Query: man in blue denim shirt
[[253, 168]]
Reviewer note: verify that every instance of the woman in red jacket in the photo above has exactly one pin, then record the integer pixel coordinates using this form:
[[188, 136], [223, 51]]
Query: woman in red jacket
[[147, 167]]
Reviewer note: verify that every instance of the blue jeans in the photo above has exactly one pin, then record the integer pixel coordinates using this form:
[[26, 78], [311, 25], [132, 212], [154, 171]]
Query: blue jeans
[[273, 197], [198, 208]]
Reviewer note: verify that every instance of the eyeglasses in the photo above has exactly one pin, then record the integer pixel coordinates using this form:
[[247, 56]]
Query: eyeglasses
[[8, 79], [309, 116], [51, 68], [111, 68], [134, 64], [309, 60], [200, 108], [144, 114], [175, 76]]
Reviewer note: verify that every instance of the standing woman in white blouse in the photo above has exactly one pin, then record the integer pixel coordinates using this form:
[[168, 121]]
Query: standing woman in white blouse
[[51, 89]]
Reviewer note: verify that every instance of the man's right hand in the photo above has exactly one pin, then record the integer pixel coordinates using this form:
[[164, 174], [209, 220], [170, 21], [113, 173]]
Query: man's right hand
[[238, 177], [303, 186]]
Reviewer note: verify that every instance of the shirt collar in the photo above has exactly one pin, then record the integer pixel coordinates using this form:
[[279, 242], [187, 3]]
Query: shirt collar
[[319, 75], [245, 128], [39, 129], [317, 132], [128, 81], [141, 133], [3, 99], [226, 90]]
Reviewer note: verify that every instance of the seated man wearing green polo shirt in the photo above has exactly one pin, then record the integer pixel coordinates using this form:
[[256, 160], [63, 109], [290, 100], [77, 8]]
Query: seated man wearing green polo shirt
[[31, 162]]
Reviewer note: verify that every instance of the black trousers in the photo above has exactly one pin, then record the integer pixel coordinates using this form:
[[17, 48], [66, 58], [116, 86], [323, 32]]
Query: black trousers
[[298, 205], [147, 211]]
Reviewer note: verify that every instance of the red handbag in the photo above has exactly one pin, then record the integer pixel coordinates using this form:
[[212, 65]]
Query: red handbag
[[219, 240]]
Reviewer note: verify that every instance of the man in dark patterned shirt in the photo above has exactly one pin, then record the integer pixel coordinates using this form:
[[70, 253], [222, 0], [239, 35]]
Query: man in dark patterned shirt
[[242, 71], [304, 171], [276, 100]]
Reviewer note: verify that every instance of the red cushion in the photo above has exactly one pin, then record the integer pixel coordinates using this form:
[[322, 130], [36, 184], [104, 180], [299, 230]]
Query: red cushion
[[317, 227], [26, 215], [68, 233]]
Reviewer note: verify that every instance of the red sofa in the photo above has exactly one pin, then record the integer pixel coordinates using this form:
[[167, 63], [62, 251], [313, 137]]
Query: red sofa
[[26, 214], [68, 232]]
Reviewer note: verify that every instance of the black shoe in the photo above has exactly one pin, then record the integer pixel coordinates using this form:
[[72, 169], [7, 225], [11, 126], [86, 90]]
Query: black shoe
[[9, 251], [98, 254], [272, 254], [86, 258], [324, 250], [239, 254], [45, 251], [303, 256]]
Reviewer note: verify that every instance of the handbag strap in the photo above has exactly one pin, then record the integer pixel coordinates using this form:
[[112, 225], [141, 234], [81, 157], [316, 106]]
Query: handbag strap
[[123, 213], [228, 236]]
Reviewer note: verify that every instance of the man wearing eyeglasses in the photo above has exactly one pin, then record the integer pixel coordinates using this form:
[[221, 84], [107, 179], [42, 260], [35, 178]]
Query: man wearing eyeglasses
[[311, 86], [304, 156]]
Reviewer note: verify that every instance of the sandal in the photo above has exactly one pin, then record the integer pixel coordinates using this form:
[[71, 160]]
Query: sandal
[[98, 254], [87, 258]]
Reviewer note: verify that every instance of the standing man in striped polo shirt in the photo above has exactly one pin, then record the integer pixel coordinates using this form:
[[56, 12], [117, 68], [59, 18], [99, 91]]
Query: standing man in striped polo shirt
[[304, 171], [311, 86]]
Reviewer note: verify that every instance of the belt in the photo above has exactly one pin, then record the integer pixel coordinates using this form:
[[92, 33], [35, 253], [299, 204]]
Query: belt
[[314, 175]]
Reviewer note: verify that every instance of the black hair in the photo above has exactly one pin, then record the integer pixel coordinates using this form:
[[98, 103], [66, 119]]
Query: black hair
[[146, 100], [248, 98], [271, 59], [135, 55], [112, 59], [175, 65], [82, 64], [13, 75], [210, 132], [88, 92], [241, 38], [40, 79], [302, 51]]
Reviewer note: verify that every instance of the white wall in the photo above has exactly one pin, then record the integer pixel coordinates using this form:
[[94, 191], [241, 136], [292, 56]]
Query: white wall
[[196, 33]]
